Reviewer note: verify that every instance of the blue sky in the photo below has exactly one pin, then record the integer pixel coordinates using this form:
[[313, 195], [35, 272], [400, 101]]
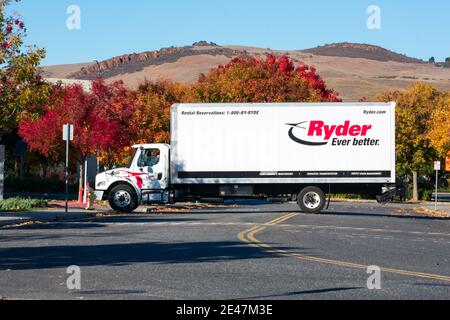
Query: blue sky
[[110, 27]]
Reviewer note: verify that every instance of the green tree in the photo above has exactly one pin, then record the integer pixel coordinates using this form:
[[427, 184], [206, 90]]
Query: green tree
[[22, 89]]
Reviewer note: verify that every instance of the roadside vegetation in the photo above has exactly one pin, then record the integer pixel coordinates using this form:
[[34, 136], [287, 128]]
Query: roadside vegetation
[[110, 118], [38, 185], [20, 204]]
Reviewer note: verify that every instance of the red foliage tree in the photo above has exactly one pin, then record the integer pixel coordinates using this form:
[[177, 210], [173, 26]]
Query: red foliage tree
[[249, 79], [99, 119], [114, 103]]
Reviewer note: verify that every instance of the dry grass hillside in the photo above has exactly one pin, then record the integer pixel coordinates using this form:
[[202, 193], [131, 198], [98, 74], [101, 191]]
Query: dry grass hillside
[[354, 70]]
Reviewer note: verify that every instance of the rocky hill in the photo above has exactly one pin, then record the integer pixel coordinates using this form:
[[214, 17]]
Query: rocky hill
[[135, 62], [354, 70], [361, 51]]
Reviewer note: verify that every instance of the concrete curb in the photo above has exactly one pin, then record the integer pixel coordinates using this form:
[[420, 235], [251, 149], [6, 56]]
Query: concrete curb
[[50, 215], [17, 221]]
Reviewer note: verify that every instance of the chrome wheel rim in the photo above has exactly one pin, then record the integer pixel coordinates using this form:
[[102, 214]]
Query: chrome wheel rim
[[122, 199], [311, 200]]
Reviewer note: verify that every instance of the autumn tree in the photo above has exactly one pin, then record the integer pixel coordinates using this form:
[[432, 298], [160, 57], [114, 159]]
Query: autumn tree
[[114, 102], [439, 133], [414, 117], [249, 79], [21, 85], [100, 120], [153, 101]]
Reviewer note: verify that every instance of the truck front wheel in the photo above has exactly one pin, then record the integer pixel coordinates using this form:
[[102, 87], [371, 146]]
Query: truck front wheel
[[123, 198], [311, 200]]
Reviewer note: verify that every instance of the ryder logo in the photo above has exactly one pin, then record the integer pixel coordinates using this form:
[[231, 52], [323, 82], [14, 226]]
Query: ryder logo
[[318, 133]]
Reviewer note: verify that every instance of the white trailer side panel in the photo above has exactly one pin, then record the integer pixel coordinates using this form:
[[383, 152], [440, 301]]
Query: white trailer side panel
[[283, 143]]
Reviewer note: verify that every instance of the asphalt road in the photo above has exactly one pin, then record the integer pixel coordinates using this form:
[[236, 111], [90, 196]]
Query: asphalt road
[[248, 251]]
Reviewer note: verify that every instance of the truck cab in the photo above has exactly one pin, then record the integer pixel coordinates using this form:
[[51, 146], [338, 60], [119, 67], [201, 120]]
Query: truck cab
[[146, 180]]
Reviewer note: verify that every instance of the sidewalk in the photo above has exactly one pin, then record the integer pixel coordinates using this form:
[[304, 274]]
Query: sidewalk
[[442, 207], [49, 215]]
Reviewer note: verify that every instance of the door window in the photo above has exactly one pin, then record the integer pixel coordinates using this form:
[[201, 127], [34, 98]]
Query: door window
[[150, 158]]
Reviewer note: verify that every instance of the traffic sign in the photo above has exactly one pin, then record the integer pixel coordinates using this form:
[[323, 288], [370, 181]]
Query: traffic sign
[[68, 132], [437, 166]]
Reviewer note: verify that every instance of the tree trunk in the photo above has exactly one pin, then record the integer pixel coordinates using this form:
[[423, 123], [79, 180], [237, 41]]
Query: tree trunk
[[44, 165], [415, 186], [44, 170]]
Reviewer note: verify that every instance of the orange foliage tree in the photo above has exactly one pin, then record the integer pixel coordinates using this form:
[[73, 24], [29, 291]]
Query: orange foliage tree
[[422, 118], [439, 133], [153, 101]]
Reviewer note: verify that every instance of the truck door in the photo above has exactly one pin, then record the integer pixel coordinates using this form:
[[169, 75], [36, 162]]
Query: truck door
[[153, 163]]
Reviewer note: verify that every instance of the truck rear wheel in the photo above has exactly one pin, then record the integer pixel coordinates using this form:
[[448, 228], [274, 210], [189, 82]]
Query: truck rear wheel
[[311, 200], [123, 198]]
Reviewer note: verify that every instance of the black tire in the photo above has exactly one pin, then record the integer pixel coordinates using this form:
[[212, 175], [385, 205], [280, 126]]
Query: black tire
[[123, 198], [311, 200]]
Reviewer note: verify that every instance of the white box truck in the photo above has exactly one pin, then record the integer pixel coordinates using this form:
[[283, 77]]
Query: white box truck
[[300, 151]]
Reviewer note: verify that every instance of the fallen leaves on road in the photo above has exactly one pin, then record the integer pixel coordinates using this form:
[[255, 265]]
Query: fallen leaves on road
[[432, 214], [23, 224], [333, 199], [181, 209], [404, 212]]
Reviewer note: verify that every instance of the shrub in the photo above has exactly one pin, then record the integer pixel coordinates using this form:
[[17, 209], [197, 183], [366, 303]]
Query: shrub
[[424, 193], [37, 185], [20, 204]]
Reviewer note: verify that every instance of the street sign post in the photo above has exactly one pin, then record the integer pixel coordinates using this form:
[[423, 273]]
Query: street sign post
[[2, 171], [437, 168], [68, 132], [21, 150]]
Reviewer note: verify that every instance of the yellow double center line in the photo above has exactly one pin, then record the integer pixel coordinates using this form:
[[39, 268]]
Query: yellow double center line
[[249, 236], [246, 235]]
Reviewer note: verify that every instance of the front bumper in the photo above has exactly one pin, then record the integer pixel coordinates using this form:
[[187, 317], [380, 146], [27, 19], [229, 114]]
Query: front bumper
[[99, 195]]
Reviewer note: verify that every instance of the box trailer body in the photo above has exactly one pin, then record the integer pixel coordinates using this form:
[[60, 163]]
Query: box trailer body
[[266, 150]]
